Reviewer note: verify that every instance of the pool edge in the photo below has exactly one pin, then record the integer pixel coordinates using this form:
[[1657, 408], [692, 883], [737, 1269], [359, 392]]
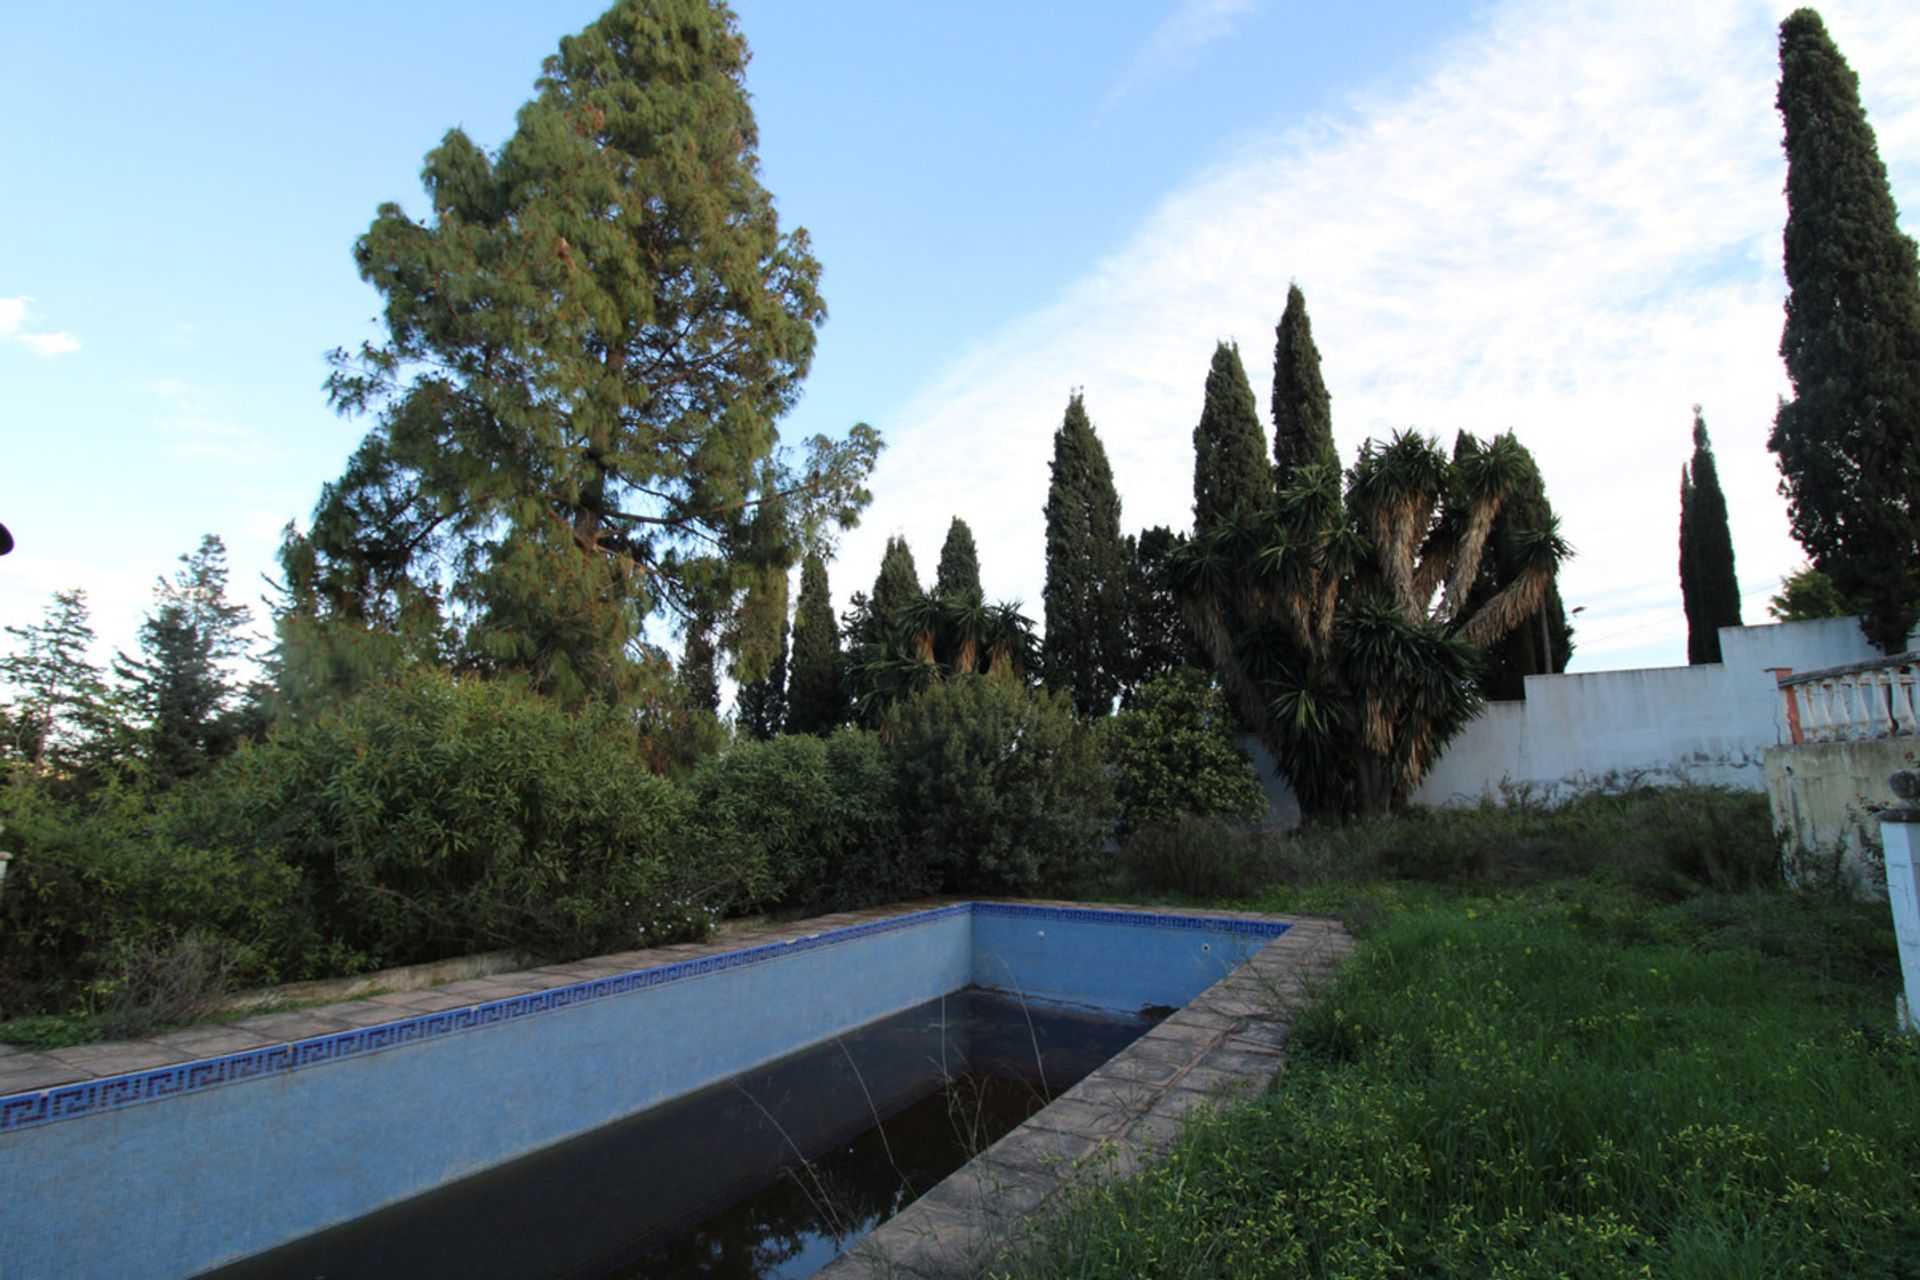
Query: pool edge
[[1226, 1044]]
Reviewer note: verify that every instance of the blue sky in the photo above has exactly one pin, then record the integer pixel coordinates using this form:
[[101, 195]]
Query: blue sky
[[1561, 218]]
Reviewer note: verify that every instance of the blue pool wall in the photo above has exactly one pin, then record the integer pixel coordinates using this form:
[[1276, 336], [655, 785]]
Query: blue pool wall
[[151, 1175], [1106, 960]]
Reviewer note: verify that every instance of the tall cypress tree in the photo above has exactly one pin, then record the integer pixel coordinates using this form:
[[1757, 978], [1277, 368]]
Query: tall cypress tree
[[763, 702], [1085, 593], [1849, 439], [1302, 409], [1157, 640], [1230, 468], [814, 700], [1708, 587], [959, 572], [895, 588]]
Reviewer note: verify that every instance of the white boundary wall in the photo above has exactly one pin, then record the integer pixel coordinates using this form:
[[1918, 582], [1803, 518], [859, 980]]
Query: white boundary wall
[[1706, 724]]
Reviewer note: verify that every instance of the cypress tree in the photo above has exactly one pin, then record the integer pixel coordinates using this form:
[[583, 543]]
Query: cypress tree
[[1157, 640], [959, 572], [814, 702], [1708, 587], [1230, 468], [1302, 409], [1848, 440], [763, 702], [1085, 593], [894, 589]]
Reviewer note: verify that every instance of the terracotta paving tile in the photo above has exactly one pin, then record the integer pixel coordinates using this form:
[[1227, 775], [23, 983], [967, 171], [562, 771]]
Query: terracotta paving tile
[[214, 1042], [297, 1025], [120, 1057], [35, 1072]]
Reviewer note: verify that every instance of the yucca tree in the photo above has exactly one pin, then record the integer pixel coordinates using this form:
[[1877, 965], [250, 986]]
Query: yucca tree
[[1336, 619], [936, 637]]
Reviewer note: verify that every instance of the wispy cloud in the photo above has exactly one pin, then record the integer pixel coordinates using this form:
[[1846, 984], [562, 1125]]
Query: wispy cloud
[[14, 328], [1175, 44], [199, 424], [1571, 227]]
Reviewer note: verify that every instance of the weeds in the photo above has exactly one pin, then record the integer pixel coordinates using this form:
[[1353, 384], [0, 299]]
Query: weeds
[[1592, 1040]]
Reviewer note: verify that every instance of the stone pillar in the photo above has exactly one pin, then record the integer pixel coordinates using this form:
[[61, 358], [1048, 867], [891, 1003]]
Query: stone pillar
[[1900, 835]]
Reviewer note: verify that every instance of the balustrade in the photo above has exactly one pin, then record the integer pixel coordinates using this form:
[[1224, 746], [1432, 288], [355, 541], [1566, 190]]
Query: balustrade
[[1844, 704]]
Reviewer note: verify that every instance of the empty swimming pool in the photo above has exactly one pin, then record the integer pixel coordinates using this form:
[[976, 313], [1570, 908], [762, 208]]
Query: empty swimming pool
[[220, 1159]]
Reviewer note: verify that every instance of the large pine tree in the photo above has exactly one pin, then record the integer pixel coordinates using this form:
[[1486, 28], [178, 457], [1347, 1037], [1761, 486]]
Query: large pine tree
[[1085, 643], [1849, 438], [591, 336], [1708, 587], [1231, 472], [815, 703]]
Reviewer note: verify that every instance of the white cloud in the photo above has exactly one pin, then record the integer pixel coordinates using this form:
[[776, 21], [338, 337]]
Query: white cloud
[[14, 329], [1176, 43], [1571, 227], [196, 419]]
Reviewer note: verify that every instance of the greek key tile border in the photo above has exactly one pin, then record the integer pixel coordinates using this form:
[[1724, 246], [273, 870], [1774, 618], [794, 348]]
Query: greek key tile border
[[91, 1097]]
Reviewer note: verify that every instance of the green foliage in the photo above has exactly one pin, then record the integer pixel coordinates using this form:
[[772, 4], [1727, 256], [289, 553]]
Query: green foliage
[[1708, 585], [1231, 473], [188, 703], [895, 588], [1543, 642], [698, 674], [1000, 787], [445, 816], [1084, 649], [1848, 440], [63, 722], [1194, 858], [814, 700], [1490, 1088], [1173, 756], [589, 343], [761, 705], [1669, 844], [106, 894], [1807, 594], [1156, 640], [812, 817], [1343, 626], [1302, 409], [959, 571]]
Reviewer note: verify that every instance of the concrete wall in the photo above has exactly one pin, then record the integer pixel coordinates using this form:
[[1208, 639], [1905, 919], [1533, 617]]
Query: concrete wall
[[1824, 796], [1706, 724]]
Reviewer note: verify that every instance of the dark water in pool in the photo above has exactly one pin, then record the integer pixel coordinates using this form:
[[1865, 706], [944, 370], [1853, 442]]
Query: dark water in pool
[[771, 1174]]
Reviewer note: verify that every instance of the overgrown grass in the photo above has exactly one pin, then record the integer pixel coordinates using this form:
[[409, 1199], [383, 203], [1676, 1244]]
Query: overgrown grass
[[1631, 1063]]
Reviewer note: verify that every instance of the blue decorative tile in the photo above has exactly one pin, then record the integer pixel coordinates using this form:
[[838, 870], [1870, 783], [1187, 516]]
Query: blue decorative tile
[[90, 1097]]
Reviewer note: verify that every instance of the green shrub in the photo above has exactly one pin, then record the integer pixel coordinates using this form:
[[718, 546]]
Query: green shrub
[[440, 816], [1198, 858], [1000, 788], [102, 883], [1173, 755], [813, 818]]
